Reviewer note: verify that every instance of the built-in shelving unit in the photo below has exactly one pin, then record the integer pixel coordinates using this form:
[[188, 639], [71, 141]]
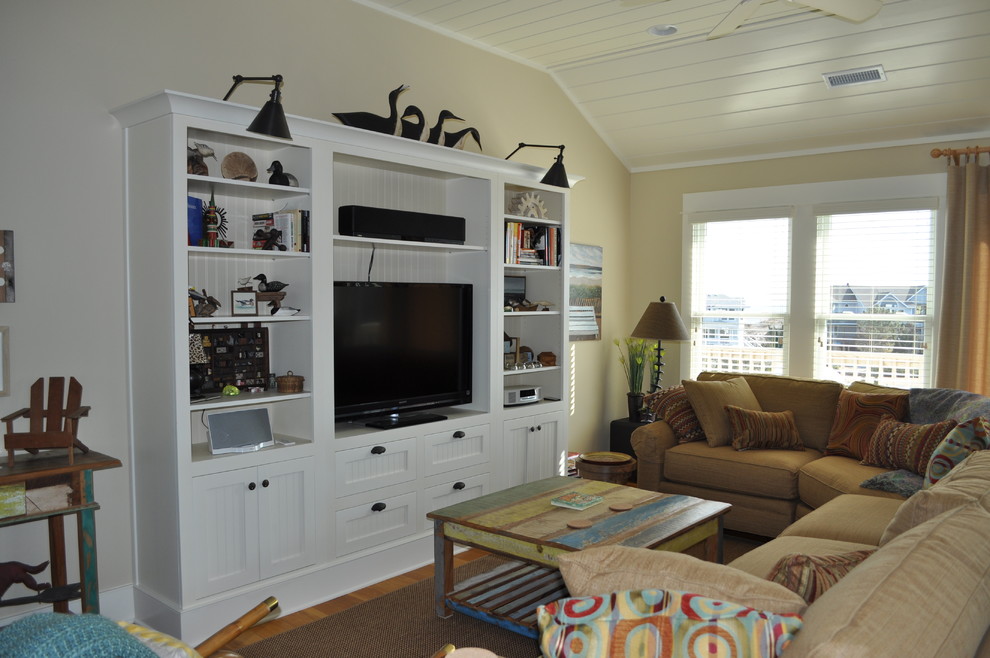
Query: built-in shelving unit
[[323, 509]]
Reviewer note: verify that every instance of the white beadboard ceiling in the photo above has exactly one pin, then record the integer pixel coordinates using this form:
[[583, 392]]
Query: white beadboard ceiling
[[663, 102]]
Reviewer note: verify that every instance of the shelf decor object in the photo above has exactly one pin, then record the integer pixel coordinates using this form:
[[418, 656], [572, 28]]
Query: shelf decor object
[[271, 118], [556, 175], [660, 322]]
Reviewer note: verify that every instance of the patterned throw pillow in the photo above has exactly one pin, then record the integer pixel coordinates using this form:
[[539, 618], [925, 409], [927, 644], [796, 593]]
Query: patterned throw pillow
[[653, 623], [810, 575], [856, 418], [964, 439], [766, 430], [903, 445], [672, 407]]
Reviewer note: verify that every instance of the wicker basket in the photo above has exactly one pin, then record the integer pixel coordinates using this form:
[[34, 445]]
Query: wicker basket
[[289, 383]]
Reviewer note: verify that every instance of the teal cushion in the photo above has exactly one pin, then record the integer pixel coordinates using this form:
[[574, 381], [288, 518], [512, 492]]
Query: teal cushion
[[49, 634]]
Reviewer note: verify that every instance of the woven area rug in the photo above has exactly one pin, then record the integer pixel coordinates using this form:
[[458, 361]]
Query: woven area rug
[[400, 624]]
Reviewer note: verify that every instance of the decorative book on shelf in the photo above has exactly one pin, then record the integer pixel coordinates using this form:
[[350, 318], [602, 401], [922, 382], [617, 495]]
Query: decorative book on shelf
[[575, 500], [531, 244]]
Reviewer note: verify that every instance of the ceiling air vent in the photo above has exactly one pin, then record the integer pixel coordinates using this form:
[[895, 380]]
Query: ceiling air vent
[[862, 76]]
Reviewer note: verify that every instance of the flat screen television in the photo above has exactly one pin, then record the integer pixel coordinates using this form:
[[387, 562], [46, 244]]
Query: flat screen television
[[399, 349]]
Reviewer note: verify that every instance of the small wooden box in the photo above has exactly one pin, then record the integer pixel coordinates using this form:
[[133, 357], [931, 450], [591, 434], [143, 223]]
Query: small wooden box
[[289, 383]]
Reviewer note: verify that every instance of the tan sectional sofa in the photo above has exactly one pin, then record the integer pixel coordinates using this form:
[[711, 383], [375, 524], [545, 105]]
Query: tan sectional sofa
[[768, 489], [924, 592]]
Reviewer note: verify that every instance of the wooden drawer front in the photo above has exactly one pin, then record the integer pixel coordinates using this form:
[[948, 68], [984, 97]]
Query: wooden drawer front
[[455, 491], [446, 451], [372, 467], [376, 522]]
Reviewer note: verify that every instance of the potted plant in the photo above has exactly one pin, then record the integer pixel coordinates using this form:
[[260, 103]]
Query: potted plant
[[637, 362]]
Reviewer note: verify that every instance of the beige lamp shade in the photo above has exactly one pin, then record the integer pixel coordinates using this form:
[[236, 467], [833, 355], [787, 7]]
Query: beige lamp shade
[[661, 321]]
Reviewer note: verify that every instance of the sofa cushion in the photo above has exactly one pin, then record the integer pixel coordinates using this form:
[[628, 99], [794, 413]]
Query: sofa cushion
[[673, 407], [968, 482], [615, 568], [708, 399], [761, 560], [763, 430], [849, 517], [654, 623], [810, 576], [823, 479], [924, 594], [873, 389], [930, 405], [856, 418], [757, 515], [905, 445], [965, 438], [812, 401], [768, 473]]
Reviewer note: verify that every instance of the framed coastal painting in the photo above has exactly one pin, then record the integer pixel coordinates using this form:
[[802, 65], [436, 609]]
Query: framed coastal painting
[[584, 318]]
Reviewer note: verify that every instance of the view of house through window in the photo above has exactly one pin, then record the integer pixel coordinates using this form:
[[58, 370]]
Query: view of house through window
[[833, 290]]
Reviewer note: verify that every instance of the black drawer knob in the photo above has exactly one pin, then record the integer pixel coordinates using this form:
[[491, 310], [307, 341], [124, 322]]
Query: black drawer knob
[[378, 507], [378, 450], [459, 485], [252, 486], [265, 483], [459, 434]]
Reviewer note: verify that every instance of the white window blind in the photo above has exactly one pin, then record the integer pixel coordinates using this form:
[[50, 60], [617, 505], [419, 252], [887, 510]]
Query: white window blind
[[740, 273], [874, 293]]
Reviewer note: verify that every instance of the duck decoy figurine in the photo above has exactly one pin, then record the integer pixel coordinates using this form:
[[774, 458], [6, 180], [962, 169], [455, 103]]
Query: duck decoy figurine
[[412, 129], [457, 139], [436, 131], [374, 122], [264, 285], [280, 177]]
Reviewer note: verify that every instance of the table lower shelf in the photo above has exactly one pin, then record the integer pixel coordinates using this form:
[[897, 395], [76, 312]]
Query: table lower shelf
[[508, 595]]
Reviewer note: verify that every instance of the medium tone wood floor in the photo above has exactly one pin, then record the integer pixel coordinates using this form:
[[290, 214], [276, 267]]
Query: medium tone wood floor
[[288, 622]]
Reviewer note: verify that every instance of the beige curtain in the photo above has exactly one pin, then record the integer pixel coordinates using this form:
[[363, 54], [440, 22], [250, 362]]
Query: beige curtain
[[963, 359]]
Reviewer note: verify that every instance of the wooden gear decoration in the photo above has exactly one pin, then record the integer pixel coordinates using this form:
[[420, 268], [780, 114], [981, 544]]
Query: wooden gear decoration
[[528, 204], [51, 427]]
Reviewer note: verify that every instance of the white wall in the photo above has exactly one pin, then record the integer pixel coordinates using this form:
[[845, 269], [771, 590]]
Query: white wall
[[64, 64]]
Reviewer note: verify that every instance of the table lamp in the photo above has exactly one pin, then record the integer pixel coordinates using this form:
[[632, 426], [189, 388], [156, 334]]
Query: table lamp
[[661, 322]]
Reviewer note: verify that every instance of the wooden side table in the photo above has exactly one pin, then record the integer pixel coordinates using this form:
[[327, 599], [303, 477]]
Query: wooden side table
[[619, 439], [52, 468]]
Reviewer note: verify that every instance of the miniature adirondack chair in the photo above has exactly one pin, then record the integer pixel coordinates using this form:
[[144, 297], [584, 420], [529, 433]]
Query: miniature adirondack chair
[[51, 427]]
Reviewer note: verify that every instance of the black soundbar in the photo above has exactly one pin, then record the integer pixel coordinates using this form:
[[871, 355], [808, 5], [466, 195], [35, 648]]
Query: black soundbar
[[363, 221]]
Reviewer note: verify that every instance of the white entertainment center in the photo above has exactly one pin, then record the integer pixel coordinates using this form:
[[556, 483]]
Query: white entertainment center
[[330, 507]]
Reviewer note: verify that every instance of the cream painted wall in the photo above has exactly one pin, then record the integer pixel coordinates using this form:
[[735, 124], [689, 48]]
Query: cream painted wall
[[656, 253], [65, 64]]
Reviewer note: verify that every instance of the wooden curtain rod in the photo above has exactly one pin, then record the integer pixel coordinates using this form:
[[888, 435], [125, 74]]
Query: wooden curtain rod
[[955, 153]]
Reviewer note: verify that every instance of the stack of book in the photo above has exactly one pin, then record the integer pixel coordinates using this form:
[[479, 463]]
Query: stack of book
[[527, 244], [292, 224]]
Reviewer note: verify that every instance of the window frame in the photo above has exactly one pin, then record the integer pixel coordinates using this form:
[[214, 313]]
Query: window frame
[[805, 202]]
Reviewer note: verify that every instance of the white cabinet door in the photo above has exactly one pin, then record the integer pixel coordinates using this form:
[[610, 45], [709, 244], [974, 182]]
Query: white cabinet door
[[286, 516], [253, 523], [226, 530], [531, 448]]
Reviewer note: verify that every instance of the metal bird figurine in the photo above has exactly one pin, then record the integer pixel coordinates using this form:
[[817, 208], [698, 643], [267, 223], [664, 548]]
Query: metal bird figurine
[[457, 139], [264, 285], [374, 122], [437, 130], [412, 129]]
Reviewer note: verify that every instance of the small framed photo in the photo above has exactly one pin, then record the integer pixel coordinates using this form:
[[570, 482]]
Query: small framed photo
[[243, 302]]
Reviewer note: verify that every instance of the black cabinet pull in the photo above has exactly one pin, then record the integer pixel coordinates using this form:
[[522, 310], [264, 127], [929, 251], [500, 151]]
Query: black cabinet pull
[[378, 507], [252, 486], [378, 450], [459, 485], [459, 434], [539, 427], [264, 483], [532, 429]]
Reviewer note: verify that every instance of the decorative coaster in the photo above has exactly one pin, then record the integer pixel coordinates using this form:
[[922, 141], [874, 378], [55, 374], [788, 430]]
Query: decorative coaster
[[620, 507], [579, 524]]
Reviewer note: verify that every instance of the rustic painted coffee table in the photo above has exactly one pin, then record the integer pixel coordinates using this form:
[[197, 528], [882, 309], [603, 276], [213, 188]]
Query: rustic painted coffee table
[[520, 523]]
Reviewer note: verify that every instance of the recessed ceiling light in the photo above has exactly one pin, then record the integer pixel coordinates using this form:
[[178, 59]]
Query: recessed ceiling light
[[662, 30]]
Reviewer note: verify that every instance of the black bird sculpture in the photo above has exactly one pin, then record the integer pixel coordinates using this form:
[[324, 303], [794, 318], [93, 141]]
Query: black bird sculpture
[[437, 131], [280, 177], [457, 139], [264, 285], [374, 122], [412, 129]]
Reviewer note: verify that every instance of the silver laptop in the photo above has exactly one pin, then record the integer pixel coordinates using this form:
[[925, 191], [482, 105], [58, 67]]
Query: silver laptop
[[243, 430]]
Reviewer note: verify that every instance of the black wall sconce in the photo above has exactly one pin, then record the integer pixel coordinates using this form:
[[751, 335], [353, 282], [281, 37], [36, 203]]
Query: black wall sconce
[[271, 118], [556, 175]]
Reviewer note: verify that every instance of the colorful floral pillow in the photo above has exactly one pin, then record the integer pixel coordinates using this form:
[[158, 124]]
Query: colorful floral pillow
[[672, 407], [652, 623], [766, 430], [856, 418], [963, 439], [903, 445], [811, 575]]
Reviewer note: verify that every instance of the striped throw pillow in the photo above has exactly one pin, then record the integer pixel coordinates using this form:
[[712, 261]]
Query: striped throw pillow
[[763, 430], [809, 576], [903, 445], [672, 407], [856, 418]]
